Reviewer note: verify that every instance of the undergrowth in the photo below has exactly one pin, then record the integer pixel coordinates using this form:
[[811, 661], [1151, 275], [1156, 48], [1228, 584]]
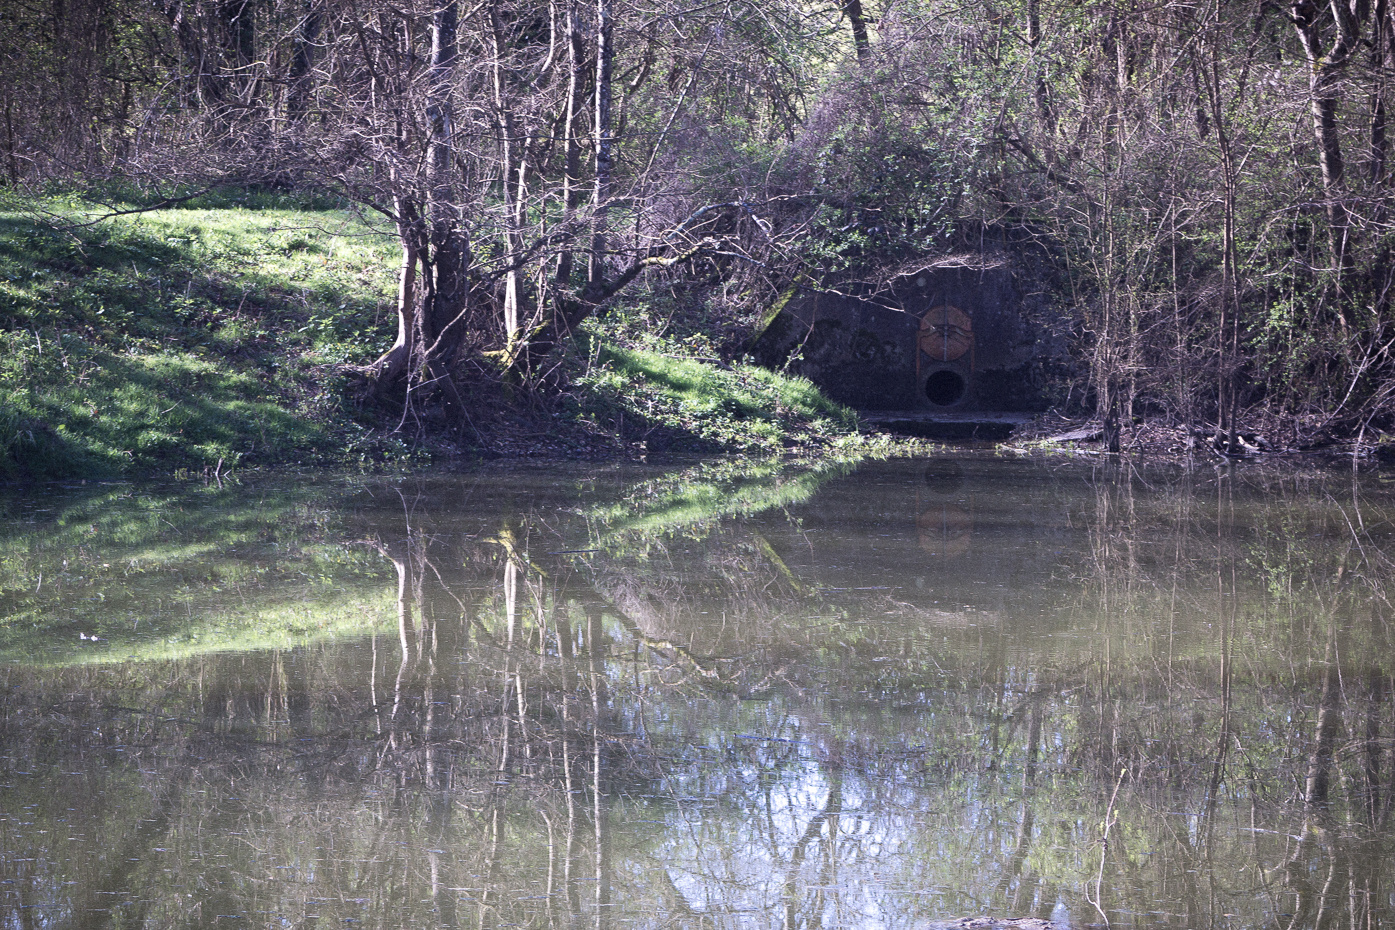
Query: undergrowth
[[218, 334]]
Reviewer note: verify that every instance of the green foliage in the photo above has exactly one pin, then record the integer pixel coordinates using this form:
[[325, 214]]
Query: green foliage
[[1139, 162], [688, 401], [885, 194], [203, 337]]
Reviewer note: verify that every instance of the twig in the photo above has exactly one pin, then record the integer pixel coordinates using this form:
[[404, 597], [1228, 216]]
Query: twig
[[1107, 825]]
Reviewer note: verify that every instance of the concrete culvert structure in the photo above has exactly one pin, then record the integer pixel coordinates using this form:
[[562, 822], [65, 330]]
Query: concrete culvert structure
[[945, 341]]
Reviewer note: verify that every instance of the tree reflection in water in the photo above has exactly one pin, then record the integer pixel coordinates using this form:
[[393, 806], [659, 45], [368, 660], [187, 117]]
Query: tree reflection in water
[[1141, 700]]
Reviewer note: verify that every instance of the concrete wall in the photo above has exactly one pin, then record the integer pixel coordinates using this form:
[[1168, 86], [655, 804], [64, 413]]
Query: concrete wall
[[867, 351]]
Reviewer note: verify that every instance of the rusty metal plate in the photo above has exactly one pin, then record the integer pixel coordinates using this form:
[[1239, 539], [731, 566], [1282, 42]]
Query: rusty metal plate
[[946, 333]]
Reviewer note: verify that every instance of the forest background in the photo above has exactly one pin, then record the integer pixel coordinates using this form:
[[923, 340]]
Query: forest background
[[1201, 190]]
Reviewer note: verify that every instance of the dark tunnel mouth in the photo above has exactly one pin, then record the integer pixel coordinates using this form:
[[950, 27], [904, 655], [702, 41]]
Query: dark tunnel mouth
[[945, 388]]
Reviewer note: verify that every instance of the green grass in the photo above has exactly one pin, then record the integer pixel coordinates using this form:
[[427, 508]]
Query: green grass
[[700, 406], [183, 338], [215, 336]]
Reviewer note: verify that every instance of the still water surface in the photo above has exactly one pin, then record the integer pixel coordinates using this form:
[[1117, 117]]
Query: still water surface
[[719, 696]]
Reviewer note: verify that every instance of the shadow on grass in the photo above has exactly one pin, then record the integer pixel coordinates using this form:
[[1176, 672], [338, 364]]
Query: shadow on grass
[[122, 414]]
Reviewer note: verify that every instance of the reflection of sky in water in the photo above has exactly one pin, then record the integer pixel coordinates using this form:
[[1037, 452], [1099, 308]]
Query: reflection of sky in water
[[832, 711]]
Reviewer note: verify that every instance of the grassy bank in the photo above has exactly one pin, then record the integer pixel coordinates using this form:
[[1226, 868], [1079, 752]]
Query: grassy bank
[[183, 338], [216, 335]]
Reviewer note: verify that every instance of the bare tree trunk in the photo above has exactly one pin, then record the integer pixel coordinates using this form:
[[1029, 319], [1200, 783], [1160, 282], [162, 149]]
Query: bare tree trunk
[[1228, 332], [393, 364], [1327, 66], [238, 22], [12, 159], [433, 278], [197, 56], [511, 173], [1043, 99], [1382, 61], [302, 62], [1382, 57], [449, 292], [852, 9], [605, 145], [571, 177]]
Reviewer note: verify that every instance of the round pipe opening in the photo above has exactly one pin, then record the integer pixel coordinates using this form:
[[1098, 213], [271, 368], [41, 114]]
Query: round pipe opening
[[944, 388]]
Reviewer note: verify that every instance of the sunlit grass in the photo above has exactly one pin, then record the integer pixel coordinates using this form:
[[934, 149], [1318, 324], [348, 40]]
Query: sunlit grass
[[215, 336], [198, 338], [708, 407]]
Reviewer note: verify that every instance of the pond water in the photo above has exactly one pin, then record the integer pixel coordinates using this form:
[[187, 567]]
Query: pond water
[[722, 695]]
